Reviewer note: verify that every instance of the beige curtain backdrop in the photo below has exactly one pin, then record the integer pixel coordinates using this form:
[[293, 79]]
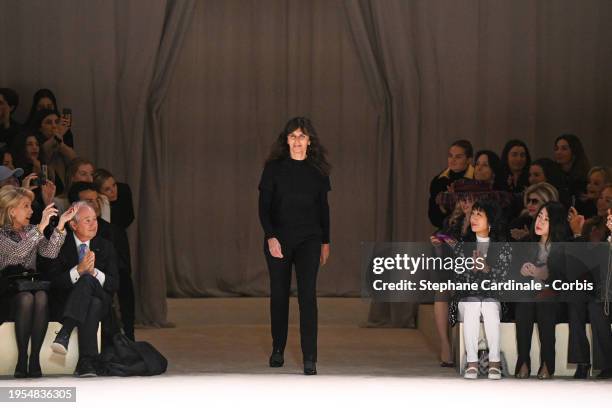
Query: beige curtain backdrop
[[183, 102]]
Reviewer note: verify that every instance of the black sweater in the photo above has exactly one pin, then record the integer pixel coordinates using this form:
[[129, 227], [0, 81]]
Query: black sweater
[[293, 200]]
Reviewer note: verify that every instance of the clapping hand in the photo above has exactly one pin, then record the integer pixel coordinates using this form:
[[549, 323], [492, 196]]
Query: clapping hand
[[87, 265]]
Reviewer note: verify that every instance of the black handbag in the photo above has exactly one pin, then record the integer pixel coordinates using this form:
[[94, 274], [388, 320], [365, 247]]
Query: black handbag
[[21, 279]]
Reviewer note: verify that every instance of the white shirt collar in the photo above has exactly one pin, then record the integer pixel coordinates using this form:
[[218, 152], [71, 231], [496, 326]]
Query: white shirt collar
[[479, 239], [78, 242]]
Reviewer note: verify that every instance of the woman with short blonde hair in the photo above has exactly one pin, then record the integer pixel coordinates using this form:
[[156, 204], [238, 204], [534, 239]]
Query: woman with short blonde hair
[[24, 295]]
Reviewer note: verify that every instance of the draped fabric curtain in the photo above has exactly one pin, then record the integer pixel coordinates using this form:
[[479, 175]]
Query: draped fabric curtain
[[246, 67]]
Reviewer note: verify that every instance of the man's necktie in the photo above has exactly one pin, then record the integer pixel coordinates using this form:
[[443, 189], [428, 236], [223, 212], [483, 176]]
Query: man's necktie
[[82, 250]]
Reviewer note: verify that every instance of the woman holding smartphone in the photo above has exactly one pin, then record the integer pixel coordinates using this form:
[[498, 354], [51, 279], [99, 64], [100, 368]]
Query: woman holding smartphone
[[55, 152], [45, 99], [20, 243], [294, 214]]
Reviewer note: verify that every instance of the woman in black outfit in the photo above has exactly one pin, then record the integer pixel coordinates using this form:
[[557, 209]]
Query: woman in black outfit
[[546, 261], [570, 155], [294, 214], [516, 161], [122, 215]]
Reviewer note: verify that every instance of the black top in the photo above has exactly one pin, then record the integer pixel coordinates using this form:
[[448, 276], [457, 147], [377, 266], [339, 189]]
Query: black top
[[293, 199], [122, 209]]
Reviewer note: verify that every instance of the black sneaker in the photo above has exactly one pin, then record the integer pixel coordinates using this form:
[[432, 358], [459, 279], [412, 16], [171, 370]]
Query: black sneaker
[[277, 359], [85, 368], [60, 344]]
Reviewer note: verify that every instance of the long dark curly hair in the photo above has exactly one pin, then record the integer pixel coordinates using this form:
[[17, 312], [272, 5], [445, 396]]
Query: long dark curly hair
[[316, 153]]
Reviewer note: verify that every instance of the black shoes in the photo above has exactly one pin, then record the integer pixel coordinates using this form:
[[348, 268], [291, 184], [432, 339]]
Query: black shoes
[[21, 368], [85, 368], [582, 371], [605, 374], [34, 370], [60, 344], [310, 368], [277, 359]]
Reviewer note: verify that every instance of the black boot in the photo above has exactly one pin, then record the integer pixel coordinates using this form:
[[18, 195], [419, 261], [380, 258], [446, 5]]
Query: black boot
[[582, 371], [310, 368], [277, 359], [34, 370], [21, 367]]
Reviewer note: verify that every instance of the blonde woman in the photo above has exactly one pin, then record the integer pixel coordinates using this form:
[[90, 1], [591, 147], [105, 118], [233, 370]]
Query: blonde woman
[[20, 243], [535, 196]]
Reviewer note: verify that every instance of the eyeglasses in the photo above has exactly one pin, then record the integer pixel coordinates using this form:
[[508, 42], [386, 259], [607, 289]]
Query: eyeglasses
[[533, 201]]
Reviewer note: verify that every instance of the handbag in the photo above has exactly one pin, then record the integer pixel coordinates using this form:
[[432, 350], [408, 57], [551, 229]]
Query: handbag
[[21, 279]]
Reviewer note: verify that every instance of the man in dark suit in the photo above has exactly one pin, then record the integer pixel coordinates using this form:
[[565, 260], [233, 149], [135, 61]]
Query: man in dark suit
[[83, 191], [83, 279]]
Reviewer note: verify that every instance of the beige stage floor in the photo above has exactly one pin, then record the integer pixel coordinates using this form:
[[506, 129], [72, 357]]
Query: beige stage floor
[[232, 335]]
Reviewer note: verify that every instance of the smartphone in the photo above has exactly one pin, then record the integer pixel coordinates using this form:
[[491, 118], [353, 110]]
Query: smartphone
[[443, 237], [44, 174], [67, 114]]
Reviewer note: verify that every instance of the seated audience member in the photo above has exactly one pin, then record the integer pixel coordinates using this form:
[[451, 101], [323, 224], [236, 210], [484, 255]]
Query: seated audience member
[[459, 166], [10, 177], [7, 158], [119, 195], [27, 156], [55, 152], [45, 99], [9, 128], [83, 281], [535, 196], [81, 169], [486, 240], [82, 191], [488, 168], [590, 306], [456, 225], [20, 243], [516, 160], [570, 155], [545, 170], [597, 178], [547, 260]]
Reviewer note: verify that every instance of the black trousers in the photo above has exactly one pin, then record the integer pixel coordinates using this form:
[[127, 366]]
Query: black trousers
[[305, 254], [545, 315], [578, 348], [88, 304]]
